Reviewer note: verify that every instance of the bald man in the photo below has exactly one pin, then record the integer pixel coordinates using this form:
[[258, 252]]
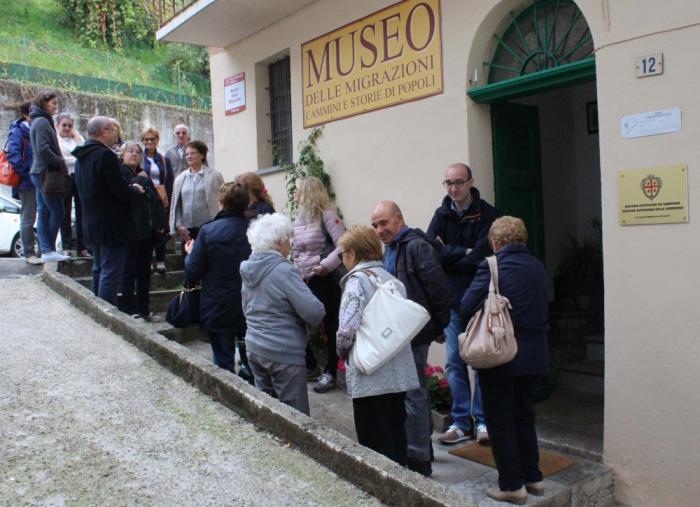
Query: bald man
[[176, 153], [461, 224], [414, 259]]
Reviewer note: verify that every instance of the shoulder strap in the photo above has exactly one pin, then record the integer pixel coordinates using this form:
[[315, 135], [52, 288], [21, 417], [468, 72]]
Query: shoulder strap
[[373, 278], [493, 266]]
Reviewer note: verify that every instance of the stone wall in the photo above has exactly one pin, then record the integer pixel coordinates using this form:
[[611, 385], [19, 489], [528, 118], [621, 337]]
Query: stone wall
[[131, 114]]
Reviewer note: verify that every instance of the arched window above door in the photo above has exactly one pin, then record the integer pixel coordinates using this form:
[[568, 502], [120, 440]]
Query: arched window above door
[[547, 45], [547, 34]]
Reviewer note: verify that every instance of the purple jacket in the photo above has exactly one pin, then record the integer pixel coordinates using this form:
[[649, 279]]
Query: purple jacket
[[310, 240]]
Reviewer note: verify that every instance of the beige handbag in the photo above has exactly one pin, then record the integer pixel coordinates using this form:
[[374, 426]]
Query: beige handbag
[[489, 339]]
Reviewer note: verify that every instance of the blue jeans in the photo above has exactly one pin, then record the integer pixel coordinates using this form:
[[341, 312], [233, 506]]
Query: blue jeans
[[107, 269], [50, 212], [463, 408]]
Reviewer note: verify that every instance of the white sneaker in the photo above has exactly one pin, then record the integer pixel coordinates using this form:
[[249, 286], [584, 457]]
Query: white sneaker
[[482, 434], [34, 260], [53, 257]]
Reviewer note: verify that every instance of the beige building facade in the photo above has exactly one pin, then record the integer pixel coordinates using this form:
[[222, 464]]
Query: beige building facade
[[606, 112]]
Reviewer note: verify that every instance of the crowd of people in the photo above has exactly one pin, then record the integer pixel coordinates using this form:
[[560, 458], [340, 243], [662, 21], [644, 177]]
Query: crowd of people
[[265, 280]]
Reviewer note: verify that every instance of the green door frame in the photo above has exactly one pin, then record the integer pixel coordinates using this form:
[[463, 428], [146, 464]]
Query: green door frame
[[536, 82]]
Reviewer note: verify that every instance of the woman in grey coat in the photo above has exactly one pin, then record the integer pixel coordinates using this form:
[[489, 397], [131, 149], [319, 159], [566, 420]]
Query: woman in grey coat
[[47, 157], [378, 399], [277, 304]]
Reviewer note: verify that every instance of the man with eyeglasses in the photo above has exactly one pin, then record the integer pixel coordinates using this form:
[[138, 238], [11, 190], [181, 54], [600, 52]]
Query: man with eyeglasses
[[176, 153], [107, 221], [461, 224]]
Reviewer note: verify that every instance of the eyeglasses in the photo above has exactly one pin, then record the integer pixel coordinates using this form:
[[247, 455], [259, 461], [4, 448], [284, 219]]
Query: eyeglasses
[[113, 129], [147, 139], [133, 152], [455, 183]]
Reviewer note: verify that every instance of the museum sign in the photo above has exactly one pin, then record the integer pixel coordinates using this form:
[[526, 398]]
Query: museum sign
[[386, 58]]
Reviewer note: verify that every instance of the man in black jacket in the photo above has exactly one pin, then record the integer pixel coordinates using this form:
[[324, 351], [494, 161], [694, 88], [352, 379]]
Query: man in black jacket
[[107, 221], [461, 224], [414, 259]]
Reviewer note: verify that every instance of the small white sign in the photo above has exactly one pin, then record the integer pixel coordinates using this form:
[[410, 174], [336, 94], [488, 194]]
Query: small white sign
[[650, 65], [664, 121], [234, 93]]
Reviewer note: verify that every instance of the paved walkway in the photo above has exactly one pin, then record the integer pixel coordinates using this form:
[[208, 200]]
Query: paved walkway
[[87, 419]]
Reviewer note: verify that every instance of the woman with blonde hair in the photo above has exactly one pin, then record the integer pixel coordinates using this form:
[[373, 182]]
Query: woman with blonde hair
[[260, 201], [508, 390], [317, 229], [378, 399]]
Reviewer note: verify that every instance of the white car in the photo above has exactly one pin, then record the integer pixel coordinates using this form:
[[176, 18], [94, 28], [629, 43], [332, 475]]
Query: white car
[[10, 242], [9, 226]]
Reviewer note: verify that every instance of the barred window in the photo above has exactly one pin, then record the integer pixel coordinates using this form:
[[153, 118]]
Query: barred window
[[280, 111]]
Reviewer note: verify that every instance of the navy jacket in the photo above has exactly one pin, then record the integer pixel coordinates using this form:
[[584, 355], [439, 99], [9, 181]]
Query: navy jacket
[[167, 177], [459, 231], [418, 267], [215, 260], [523, 280], [105, 196], [19, 152]]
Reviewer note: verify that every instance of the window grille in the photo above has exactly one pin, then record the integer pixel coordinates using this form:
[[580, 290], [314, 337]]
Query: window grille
[[280, 111]]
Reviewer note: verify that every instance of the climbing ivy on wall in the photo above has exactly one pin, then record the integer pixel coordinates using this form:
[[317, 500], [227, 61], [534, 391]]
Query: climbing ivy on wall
[[109, 23], [309, 164]]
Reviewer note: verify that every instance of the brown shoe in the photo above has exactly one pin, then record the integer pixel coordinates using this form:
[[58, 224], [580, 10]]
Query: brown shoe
[[535, 488], [518, 497], [455, 435]]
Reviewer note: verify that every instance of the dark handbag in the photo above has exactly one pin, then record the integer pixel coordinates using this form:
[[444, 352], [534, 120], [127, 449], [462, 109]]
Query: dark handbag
[[56, 182], [338, 273], [183, 310]]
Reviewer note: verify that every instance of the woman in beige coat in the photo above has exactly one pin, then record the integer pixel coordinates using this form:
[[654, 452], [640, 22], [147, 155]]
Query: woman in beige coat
[[195, 193]]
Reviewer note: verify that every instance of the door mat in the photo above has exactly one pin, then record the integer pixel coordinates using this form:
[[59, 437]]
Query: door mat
[[550, 462]]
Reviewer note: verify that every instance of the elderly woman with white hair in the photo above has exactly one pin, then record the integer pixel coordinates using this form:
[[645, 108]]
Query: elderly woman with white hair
[[277, 303]]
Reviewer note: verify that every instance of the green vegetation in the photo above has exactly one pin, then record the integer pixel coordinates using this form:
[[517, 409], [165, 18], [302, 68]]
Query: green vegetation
[[38, 33]]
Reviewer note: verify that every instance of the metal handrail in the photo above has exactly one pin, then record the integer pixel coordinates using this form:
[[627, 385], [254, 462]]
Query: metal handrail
[[166, 10]]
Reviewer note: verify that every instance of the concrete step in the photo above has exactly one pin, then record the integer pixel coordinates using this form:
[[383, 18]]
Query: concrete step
[[585, 376], [82, 266], [172, 280]]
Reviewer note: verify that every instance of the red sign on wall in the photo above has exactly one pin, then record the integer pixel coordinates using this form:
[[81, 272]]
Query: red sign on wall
[[234, 93]]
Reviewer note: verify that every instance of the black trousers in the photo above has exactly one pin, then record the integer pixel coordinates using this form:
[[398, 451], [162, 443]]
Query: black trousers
[[66, 226], [137, 271], [380, 424], [328, 293], [510, 420], [223, 347]]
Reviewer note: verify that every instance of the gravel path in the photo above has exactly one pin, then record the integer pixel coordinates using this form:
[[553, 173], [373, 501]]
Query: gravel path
[[87, 419]]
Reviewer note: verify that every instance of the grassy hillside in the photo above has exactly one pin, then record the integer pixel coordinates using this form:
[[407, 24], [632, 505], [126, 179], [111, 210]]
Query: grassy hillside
[[31, 33]]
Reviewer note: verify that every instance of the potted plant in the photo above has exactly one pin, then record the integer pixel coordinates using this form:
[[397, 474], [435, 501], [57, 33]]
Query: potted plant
[[440, 398]]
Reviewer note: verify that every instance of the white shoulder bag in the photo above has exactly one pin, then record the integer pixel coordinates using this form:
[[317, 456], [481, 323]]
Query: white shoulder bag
[[389, 323]]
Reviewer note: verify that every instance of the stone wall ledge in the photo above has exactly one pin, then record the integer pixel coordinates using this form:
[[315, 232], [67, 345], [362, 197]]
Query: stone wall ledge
[[374, 473]]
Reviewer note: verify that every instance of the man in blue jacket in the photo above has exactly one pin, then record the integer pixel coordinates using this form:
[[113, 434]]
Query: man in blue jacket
[[414, 259], [19, 154], [107, 221], [461, 224]]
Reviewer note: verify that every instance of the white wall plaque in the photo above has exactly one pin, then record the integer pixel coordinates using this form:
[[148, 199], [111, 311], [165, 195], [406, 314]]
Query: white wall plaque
[[664, 121], [234, 93], [650, 65]]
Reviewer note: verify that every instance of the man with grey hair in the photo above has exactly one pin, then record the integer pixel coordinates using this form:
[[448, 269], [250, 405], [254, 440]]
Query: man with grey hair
[[107, 221], [176, 153]]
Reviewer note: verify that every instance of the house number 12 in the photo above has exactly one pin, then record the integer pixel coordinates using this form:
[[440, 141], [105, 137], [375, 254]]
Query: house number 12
[[650, 65]]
